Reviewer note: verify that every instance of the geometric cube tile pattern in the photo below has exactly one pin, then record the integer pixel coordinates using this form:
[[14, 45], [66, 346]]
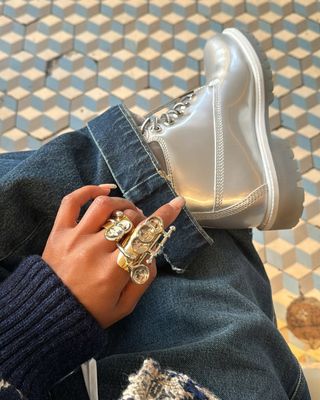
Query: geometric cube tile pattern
[[64, 61]]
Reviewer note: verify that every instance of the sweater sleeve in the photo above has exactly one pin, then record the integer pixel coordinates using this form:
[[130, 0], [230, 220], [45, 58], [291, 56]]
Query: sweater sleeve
[[45, 332]]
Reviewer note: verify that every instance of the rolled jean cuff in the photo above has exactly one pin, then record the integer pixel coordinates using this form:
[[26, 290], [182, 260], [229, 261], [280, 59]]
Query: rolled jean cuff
[[138, 175]]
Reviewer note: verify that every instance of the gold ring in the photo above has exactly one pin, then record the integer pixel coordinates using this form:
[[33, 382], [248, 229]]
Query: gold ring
[[116, 228], [142, 245]]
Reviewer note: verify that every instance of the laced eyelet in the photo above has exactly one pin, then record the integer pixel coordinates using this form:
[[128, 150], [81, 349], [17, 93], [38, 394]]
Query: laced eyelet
[[153, 123], [157, 128], [179, 108], [171, 122], [170, 117]]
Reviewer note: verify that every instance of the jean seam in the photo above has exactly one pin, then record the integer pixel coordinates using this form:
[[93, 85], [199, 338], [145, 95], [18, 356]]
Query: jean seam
[[104, 157], [24, 240], [298, 384], [203, 234]]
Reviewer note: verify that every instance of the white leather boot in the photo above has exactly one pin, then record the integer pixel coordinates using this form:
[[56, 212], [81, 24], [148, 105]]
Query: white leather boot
[[215, 145]]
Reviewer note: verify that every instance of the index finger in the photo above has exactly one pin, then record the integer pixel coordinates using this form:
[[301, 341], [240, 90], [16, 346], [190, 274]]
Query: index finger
[[71, 204]]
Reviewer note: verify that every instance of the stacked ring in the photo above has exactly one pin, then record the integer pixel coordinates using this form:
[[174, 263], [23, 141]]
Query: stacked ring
[[116, 228], [138, 245]]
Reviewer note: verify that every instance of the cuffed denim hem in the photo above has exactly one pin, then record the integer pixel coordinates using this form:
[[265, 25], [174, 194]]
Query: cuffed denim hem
[[138, 175]]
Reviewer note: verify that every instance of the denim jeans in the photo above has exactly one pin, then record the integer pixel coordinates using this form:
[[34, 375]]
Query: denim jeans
[[209, 312]]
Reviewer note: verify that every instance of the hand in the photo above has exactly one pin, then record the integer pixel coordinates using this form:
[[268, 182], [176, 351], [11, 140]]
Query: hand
[[86, 262]]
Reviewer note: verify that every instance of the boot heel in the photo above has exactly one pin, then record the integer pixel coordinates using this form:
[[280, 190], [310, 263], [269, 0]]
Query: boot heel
[[291, 195], [266, 67]]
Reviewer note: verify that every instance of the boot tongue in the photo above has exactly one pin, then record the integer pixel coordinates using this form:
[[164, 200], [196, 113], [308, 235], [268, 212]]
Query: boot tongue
[[157, 151]]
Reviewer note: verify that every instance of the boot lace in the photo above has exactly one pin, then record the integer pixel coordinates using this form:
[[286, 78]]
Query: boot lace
[[153, 123]]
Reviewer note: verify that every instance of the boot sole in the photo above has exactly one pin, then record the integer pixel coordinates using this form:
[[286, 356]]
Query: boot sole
[[285, 197]]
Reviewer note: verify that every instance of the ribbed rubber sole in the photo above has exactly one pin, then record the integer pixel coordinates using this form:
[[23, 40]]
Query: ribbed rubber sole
[[290, 194]]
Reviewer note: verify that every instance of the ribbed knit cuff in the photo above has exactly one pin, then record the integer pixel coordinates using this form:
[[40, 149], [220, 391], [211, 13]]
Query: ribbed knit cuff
[[45, 332]]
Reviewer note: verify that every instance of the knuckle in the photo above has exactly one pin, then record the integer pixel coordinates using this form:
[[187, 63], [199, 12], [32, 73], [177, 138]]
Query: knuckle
[[101, 200], [67, 198], [90, 187]]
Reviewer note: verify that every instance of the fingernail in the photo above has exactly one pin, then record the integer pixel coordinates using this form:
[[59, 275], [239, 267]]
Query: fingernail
[[177, 202], [139, 209], [108, 185]]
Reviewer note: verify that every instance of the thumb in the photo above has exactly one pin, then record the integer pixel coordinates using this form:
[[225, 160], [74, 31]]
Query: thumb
[[170, 211]]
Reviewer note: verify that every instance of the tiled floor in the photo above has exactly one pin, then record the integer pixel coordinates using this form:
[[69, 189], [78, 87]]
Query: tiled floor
[[63, 61]]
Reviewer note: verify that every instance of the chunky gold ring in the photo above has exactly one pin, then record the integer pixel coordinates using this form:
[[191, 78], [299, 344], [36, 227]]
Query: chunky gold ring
[[115, 228], [142, 245]]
